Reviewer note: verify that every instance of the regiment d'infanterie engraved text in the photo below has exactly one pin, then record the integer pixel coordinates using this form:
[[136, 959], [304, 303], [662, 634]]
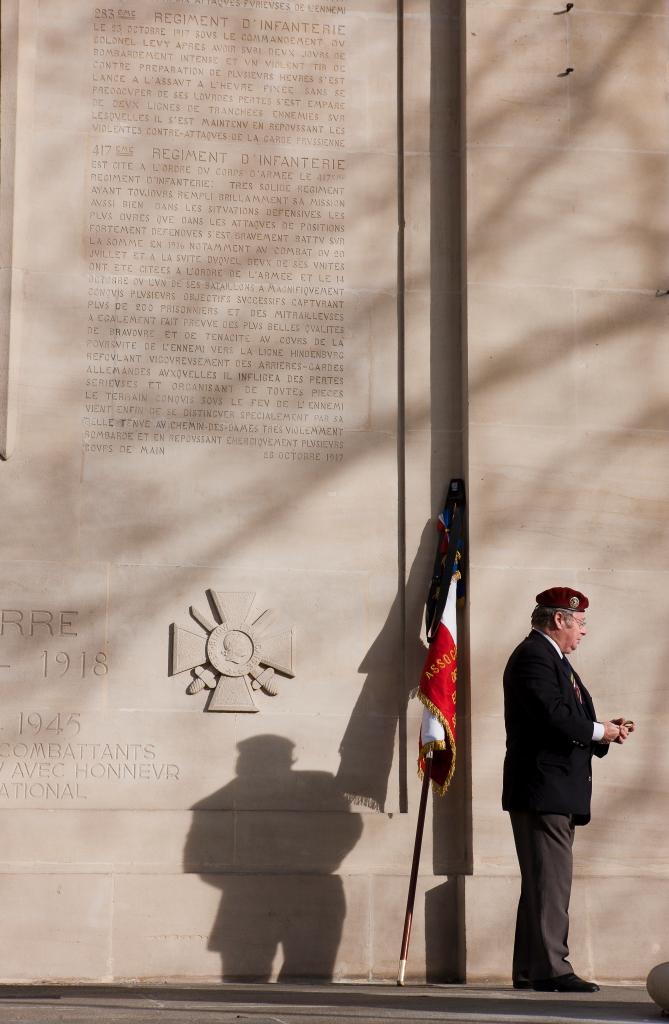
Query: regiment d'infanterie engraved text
[[216, 247]]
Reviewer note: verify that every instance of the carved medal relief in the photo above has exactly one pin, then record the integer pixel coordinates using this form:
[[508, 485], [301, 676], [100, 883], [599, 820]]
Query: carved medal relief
[[239, 654]]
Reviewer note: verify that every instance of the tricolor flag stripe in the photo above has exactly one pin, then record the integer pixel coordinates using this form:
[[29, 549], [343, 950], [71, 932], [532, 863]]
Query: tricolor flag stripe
[[437, 692]]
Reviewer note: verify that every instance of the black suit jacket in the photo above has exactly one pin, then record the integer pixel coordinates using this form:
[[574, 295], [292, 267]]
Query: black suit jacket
[[549, 745]]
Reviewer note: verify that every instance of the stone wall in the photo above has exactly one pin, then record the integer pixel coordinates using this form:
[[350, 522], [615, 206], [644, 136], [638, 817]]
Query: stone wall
[[259, 310], [207, 765], [567, 169]]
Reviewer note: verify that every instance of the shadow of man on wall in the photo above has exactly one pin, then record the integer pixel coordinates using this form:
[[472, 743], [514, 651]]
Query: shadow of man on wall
[[284, 832]]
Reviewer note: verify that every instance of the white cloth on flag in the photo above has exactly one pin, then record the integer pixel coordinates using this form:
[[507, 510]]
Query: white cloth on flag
[[431, 729]]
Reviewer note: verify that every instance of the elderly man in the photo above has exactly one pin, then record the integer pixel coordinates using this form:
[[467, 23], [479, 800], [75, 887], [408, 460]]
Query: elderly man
[[551, 734]]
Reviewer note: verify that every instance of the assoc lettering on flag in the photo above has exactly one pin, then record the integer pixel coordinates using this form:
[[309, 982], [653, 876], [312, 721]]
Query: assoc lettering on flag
[[438, 682]]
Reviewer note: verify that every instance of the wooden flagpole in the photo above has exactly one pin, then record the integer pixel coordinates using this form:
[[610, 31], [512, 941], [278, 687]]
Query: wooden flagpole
[[408, 917], [445, 563]]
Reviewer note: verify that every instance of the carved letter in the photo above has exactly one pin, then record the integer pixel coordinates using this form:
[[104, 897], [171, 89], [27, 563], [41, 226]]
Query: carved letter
[[36, 620], [7, 620], [67, 622]]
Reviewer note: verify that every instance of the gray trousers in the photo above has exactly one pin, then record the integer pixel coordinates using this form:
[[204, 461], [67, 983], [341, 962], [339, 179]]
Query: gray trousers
[[544, 847]]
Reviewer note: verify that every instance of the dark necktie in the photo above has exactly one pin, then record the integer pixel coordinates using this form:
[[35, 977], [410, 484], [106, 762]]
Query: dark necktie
[[572, 680]]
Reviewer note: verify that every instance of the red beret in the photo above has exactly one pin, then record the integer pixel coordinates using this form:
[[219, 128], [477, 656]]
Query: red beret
[[563, 597]]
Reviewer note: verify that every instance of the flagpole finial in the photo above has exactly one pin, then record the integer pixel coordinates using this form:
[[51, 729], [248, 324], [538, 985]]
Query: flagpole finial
[[448, 554], [456, 490]]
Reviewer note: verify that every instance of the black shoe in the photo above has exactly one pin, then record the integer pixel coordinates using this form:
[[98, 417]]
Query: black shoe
[[565, 983], [522, 982]]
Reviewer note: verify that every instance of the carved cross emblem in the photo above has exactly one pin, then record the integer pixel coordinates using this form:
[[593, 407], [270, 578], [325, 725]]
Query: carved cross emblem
[[239, 653]]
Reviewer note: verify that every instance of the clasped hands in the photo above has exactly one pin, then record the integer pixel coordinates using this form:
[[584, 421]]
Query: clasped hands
[[617, 730]]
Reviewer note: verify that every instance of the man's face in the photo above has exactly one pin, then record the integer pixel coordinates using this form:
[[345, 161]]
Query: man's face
[[571, 630]]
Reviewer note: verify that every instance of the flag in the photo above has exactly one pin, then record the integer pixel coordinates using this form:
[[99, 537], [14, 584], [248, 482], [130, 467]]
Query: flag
[[438, 682]]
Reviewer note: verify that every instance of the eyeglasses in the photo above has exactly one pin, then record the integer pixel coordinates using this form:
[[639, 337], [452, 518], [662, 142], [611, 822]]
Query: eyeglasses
[[579, 622]]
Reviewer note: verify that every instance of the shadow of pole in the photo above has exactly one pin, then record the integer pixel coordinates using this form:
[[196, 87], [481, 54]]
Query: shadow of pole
[[368, 746]]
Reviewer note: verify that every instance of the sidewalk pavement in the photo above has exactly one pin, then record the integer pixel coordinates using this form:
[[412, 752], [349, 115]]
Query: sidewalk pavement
[[317, 1004]]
